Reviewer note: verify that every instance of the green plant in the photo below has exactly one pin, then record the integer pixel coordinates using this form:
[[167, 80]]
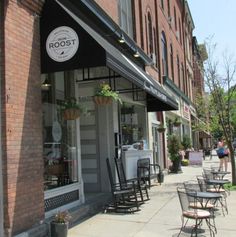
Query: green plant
[[177, 121], [71, 103], [71, 109], [173, 146], [230, 187], [62, 217], [186, 142], [161, 128], [105, 90]]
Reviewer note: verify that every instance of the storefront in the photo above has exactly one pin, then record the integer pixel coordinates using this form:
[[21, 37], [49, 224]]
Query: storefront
[[75, 59]]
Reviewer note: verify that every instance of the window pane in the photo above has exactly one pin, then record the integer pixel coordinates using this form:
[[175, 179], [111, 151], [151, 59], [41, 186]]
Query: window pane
[[133, 125], [59, 135], [125, 16]]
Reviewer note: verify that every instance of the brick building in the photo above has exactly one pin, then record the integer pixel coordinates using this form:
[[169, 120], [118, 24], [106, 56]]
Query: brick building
[[140, 48]]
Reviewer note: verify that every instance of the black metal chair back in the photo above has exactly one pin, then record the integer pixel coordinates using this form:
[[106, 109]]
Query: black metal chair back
[[120, 171], [183, 199], [202, 183], [191, 185], [110, 174], [207, 173], [143, 169]]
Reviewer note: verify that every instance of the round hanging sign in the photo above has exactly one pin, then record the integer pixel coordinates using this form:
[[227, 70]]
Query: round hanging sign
[[62, 44]]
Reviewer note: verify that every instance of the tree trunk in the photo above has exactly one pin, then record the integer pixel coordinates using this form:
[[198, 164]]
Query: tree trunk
[[231, 155]]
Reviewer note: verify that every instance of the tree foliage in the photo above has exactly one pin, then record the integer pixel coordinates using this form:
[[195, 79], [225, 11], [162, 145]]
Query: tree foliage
[[222, 92]]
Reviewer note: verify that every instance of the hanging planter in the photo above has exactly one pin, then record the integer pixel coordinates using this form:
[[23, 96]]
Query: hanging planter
[[104, 95], [71, 110], [161, 129], [176, 122], [71, 114], [102, 100]]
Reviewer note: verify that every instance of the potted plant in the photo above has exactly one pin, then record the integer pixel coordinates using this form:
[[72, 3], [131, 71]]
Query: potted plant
[[177, 122], [187, 144], [104, 95], [60, 223], [174, 147], [161, 128], [71, 109]]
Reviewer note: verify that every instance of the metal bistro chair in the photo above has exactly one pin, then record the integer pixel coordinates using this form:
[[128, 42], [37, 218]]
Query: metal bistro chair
[[200, 203], [198, 215], [207, 174], [140, 186], [192, 185], [208, 188], [124, 199]]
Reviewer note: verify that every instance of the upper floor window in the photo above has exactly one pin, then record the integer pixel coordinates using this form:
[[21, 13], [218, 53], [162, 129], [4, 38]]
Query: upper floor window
[[150, 35], [182, 78], [178, 71], [162, 4], [180, 32], [175, 19], [172, 62], [164, 54], [125, 16], [168, 8]]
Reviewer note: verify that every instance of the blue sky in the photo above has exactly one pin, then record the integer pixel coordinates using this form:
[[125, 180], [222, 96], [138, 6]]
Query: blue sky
[[215, 18]]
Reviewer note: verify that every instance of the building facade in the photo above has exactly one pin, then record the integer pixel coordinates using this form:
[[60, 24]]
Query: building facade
[[57, 50]]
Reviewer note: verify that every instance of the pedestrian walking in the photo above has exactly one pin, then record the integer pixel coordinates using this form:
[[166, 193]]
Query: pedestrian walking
[[222, 153]]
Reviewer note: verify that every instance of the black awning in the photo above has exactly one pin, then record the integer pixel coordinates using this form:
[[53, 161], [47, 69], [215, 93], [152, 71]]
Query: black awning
[[157, 99]]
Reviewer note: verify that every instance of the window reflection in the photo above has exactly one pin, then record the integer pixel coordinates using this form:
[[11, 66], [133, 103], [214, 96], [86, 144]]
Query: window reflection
[[133, 126], [59, 135]]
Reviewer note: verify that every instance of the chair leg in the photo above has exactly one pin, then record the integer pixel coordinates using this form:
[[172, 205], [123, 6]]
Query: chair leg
[[147, 195], [212, 233]]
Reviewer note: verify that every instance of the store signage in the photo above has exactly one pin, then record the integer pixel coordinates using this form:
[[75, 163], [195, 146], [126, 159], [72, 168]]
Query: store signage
[[186, 111], [155, 92], [62, 44]]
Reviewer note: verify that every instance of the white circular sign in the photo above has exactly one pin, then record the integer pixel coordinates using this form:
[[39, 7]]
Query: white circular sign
[[62, 44]]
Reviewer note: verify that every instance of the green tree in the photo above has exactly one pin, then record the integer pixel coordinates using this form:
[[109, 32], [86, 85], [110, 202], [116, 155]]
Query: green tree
[[222, 94]]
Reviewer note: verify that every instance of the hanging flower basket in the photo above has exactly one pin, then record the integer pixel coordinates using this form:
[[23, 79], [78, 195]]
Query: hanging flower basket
[[177, 123], [102, 100], [104, 95], [161, 130], [71, 114]]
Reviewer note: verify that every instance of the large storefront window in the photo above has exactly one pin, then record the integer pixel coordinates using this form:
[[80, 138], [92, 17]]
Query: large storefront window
[[133, 126], [59, 135]]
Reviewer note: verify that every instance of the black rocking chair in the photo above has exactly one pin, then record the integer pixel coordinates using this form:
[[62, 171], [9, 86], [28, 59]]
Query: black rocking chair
[[124, 199], [140, 185]]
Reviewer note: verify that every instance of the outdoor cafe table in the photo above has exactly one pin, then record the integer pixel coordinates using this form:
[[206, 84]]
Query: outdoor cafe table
[[219, 174], [217, 183], [207, 196]]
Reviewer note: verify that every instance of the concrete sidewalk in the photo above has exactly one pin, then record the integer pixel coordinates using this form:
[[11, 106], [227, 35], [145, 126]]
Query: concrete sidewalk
[[161, 216]]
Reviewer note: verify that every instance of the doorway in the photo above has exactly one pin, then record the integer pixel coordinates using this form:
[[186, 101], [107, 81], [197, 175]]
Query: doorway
[[156, 145]]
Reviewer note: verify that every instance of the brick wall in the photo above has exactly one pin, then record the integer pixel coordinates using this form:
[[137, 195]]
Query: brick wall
[[21, 114]]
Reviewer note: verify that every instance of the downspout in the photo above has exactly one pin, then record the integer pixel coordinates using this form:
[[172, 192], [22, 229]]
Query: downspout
[[1, 75]]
